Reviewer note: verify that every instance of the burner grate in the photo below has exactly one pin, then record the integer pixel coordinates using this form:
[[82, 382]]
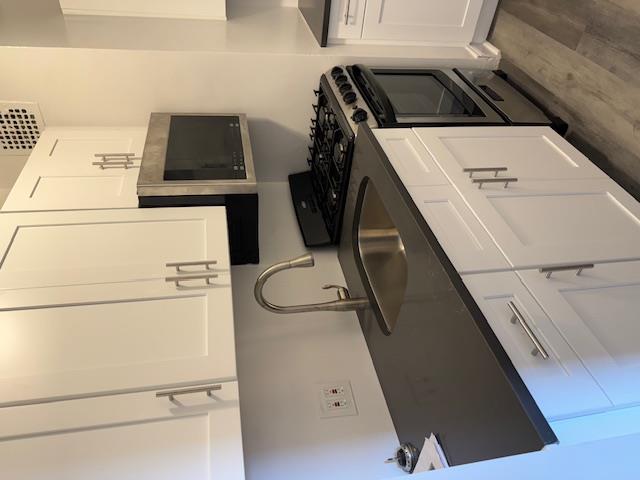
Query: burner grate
[[20, 127]]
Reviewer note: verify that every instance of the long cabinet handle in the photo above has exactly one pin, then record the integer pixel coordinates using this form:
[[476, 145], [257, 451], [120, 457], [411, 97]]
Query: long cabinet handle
[[171, 394], [111, 164], [347, 13], [184, 278], [505, 180], [495, 170], [566, 268], [208, 264], [517, 317]]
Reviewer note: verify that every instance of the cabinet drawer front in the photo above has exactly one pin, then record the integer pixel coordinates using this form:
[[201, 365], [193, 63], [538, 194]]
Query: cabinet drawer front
[[81, 247], [540, 224], [459, 232], [60, 173], [597, 312], [64, 342], [133, 436], [528, 153], [560, 384], [410, 159]]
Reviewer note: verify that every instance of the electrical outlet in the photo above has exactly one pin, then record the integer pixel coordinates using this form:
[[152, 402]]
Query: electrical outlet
[[20, 127], [336, 399]]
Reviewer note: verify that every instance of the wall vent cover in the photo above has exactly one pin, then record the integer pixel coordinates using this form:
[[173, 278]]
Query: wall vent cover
[[20, 127]]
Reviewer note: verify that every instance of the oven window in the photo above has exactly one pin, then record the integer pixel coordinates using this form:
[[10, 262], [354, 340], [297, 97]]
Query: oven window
[[425, 95]]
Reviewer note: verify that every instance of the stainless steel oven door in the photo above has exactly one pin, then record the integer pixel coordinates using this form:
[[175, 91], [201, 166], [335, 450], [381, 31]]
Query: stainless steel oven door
[[413, 97]]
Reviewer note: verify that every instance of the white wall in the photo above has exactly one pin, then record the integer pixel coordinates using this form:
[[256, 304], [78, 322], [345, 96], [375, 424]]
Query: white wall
[[203, 9]]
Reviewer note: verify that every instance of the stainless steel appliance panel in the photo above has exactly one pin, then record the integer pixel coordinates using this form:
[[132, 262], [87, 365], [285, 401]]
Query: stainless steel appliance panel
[[441, 368]]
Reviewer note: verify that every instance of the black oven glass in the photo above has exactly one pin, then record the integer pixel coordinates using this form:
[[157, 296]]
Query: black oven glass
[[204, 148], [426, 95]]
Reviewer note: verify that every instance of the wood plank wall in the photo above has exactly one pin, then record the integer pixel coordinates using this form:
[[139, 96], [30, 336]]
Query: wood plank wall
[[581, 58]]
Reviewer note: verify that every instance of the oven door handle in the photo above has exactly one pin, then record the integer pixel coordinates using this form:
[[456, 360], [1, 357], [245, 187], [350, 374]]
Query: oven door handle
[[379, 99]]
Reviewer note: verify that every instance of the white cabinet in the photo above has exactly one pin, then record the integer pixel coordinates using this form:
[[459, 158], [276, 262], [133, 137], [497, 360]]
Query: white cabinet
[[429, 21], [86, 307], [346, 18], [133, 436], [556, 378], [561, 210], [441, 22], [538, 224], [61, 173], [40, 249], [598, 312], [461, 235], [527, 153]]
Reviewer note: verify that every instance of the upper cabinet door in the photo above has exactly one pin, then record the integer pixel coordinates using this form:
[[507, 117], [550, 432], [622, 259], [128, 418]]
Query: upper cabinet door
[[63, 172], [556, 378], [433, 21], [413, 163], [41, 249], [598, 312], [134, 436], [525, 153], [346, 19]]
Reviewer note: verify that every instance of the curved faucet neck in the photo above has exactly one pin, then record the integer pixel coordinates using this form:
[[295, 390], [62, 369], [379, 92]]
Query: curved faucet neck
[[344, 303]]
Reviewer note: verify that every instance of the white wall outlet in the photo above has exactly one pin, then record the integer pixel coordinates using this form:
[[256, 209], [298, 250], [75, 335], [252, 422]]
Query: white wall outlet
[[336, 399], [20, 127]]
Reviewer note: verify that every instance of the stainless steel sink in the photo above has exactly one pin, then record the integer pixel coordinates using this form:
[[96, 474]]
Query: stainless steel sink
[[382, 255]]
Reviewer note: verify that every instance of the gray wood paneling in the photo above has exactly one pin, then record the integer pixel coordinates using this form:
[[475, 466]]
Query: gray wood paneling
[[581, 58]]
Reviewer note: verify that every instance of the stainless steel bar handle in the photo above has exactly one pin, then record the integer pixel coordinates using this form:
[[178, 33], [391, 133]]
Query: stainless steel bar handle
[[517, 317], [566, 268], [185, 278], [472, 170], [102, 165], [171, 394], [506, 181], [347, 13], [113, 156], [208, 264]]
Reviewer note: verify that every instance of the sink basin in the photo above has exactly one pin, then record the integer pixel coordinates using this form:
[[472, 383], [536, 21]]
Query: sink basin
[[382, 256]]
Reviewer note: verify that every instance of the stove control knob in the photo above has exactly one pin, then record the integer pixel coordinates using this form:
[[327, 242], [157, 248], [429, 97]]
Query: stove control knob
[[345, 87], [349, 97], [360, 115], [341, 79], [336, 72]]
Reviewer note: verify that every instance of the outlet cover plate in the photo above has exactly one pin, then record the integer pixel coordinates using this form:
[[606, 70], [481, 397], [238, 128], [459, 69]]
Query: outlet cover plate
[[336, 399]]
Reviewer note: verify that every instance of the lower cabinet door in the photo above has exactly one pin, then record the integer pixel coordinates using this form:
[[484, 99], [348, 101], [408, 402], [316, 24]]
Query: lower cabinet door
[[556, 378], [136, 436], [60, 343], [47, 249], [459, 232], [598, 312], [63, 172]]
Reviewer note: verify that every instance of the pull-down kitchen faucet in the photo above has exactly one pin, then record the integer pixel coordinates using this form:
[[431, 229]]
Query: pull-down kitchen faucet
[[344, 303]]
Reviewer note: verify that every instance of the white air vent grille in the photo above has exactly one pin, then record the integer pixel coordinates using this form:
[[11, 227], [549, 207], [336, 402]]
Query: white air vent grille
[[20, 127]]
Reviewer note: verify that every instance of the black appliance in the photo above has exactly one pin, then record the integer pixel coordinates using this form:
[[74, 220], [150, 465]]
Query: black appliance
[[441, 368], [392, 98], [204, 160]]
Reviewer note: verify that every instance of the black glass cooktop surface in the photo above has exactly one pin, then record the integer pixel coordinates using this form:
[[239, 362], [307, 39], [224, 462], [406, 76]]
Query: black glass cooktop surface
[[204, 148]]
